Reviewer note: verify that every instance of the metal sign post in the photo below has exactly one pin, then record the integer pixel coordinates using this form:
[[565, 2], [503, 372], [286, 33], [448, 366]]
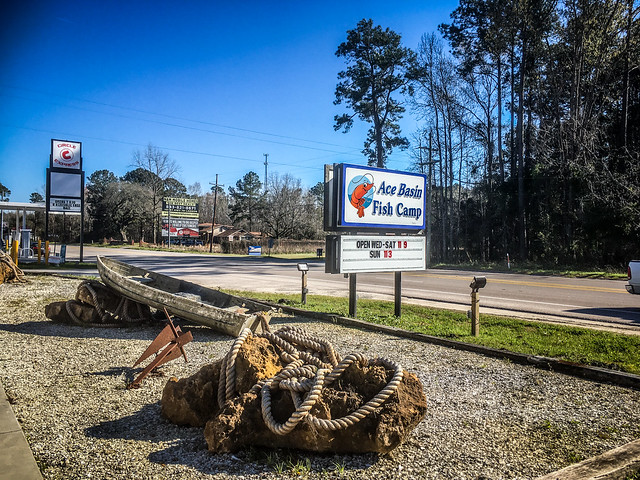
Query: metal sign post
[[353, 306], [397, 293], [304, 269]]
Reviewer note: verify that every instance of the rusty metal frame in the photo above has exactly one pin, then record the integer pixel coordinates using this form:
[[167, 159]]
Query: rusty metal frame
[[167, 346]]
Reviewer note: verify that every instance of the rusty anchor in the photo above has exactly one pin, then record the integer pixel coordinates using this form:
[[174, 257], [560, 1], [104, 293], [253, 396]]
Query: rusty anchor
[[171, 341]]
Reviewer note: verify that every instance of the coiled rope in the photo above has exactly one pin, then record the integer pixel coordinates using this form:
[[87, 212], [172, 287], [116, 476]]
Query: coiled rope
[[106, 319], [311, 365], [18, 274]]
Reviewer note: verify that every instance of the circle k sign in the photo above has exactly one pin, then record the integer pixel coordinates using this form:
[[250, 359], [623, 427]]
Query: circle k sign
[[66, 154]]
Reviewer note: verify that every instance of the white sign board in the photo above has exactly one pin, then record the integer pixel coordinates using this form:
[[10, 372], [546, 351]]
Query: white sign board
[[382, 199], [64, 191], [165, 232], [66, 154], [381, 253], [65, 205], [181, 222]]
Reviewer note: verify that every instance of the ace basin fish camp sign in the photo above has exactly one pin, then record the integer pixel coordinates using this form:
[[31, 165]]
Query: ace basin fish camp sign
[[379, 200], [386, 205]]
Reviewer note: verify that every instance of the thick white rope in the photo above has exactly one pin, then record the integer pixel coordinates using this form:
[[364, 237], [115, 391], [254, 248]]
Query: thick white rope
[[18, 274], [311, 365]]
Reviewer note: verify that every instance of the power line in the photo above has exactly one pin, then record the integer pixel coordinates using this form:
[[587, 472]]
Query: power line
[[172, 149], [176, 125], [174, 117]]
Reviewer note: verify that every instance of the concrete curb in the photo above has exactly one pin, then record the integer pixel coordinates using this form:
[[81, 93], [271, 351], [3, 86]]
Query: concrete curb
[[16, 458], [597, 374]]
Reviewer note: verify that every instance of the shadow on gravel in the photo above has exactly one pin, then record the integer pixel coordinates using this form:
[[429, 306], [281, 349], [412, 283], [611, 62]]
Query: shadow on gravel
[[128, 372], [277, 322], [144, 332], [262, 461], [145, 425], [50, 329]]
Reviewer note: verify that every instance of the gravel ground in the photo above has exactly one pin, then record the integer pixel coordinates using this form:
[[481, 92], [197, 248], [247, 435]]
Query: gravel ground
[[487, 418]]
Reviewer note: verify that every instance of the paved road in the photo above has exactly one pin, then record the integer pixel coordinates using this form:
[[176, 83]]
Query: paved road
[[602, 303]]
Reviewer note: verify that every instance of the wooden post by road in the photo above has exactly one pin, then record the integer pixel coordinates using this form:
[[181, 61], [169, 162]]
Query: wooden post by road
[[475, 313], [304, 288]]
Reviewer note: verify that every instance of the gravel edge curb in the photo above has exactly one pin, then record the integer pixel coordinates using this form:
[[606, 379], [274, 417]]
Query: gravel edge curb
[[618, 463], [598, 374]]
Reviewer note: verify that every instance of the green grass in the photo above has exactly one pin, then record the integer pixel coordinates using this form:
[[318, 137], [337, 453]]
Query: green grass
[[580, 345]]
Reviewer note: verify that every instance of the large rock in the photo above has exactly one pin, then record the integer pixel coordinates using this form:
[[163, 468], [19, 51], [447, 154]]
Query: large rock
[[83, 313], [193, 400], [240, 422]]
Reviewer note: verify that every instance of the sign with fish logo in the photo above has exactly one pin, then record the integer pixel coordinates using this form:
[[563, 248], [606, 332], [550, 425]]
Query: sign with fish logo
[[381, 199], [360, 192]]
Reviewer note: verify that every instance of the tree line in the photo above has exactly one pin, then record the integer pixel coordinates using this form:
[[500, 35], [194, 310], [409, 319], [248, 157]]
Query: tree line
[[529, 125], [129, 208]]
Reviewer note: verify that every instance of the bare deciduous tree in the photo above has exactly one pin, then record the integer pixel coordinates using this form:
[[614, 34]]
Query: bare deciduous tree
[[161, 168]]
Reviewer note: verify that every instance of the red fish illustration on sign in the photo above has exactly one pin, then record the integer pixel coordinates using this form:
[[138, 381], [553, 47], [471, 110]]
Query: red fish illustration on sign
[[357, 197]]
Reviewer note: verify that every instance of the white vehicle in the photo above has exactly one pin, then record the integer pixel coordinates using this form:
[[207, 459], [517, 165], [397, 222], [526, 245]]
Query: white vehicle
[[633, 276]]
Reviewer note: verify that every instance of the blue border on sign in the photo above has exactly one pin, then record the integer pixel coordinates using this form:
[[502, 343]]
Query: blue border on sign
[[344, 202]]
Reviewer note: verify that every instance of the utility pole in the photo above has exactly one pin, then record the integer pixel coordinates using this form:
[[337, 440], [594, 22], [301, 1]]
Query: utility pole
[[213, 220], [430, 163], [429, 206], [266, 163]]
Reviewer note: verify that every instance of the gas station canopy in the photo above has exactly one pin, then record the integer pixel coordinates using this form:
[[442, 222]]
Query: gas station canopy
[[29, 207], [24, 206]]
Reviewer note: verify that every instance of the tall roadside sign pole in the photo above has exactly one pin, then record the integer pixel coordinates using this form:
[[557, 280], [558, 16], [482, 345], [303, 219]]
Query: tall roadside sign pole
[[65, 184]]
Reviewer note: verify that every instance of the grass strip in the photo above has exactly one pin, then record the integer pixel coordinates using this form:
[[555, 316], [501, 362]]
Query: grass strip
[[606, 273], [574, 344]]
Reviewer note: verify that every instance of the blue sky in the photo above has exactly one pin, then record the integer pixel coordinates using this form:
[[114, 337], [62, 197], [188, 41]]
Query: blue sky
[[214, 84]]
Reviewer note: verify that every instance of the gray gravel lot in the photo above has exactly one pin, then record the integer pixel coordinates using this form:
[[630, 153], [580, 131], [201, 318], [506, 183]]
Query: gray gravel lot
[[487, 418]]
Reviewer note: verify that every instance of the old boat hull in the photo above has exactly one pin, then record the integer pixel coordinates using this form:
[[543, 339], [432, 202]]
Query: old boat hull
[[205, 306]]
